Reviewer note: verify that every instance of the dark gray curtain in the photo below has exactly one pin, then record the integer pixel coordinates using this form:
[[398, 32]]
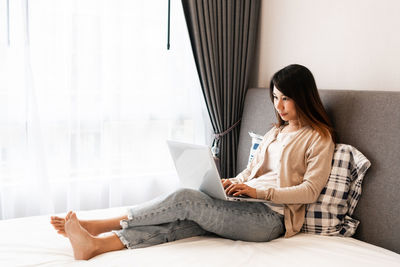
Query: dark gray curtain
[[223, 35]]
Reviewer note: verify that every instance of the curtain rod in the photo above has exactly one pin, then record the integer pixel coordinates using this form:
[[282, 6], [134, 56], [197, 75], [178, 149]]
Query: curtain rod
[[169, 20], [8, 22]]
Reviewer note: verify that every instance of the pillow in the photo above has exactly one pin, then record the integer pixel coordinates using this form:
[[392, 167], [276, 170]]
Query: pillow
[[330, 214]]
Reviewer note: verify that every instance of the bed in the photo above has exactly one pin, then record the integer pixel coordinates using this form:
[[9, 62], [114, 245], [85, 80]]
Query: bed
[[368, 120]]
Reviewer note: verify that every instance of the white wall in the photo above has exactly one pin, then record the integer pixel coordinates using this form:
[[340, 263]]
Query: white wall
[[347, 44]]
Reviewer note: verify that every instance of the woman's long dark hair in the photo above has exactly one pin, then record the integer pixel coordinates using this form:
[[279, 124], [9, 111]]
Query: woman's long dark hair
[[297, 82]]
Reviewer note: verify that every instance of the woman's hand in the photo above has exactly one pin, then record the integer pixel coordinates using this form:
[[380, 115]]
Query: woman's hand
[[226, 183], [240, 189]]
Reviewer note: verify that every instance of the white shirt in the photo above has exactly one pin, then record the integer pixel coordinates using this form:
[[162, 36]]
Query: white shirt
[[271, 166]]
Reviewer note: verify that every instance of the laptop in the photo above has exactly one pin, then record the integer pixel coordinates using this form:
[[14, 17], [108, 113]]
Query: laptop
[[196, 169]]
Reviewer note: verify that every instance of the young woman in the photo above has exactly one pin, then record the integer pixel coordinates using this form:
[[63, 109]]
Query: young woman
[[290, 168]]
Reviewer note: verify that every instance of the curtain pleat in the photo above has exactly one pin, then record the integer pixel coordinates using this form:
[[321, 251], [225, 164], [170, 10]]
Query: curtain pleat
[[223, 35]]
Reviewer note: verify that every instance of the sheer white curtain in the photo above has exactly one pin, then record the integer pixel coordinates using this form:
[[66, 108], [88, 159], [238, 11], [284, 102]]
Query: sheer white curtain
[[88, 95]]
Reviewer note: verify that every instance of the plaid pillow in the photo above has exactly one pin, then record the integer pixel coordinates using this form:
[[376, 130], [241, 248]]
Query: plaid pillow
[[330, 214]]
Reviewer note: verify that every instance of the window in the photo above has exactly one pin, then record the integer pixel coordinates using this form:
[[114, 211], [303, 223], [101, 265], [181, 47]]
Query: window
[[90, 93]]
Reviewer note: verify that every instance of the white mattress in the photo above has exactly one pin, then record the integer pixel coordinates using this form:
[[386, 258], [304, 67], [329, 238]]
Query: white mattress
[[33, 242]]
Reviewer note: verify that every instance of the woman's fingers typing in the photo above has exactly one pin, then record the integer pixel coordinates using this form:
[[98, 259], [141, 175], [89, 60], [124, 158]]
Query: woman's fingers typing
[[241, 189], [225, 183], [233, 188], [238, 189]]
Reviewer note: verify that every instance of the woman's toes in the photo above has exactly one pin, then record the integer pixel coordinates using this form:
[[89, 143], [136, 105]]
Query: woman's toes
[[73, 216], [58, 224], [68, 215], [57, 220], [63, 233]]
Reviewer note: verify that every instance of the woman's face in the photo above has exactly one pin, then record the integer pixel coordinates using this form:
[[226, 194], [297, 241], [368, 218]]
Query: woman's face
[[285, 106]]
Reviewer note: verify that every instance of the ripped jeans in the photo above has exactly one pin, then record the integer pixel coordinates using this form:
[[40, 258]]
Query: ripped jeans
[[187, 213]]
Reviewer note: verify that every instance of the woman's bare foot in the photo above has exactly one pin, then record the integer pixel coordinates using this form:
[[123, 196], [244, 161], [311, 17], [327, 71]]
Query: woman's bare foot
[[83, 243], [91, 226]]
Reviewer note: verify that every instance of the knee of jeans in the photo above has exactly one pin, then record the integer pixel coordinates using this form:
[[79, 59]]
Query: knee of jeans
[[186, 194], [276, 232]]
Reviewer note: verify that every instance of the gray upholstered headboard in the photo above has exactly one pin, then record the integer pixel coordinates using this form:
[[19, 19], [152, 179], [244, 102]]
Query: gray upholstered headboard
[[368, 120]]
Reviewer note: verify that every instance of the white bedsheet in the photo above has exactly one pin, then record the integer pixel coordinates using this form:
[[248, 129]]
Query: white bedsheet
[[33, 242]]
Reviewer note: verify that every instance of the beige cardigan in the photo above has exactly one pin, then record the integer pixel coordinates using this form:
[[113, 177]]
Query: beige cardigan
[[305, 166]]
